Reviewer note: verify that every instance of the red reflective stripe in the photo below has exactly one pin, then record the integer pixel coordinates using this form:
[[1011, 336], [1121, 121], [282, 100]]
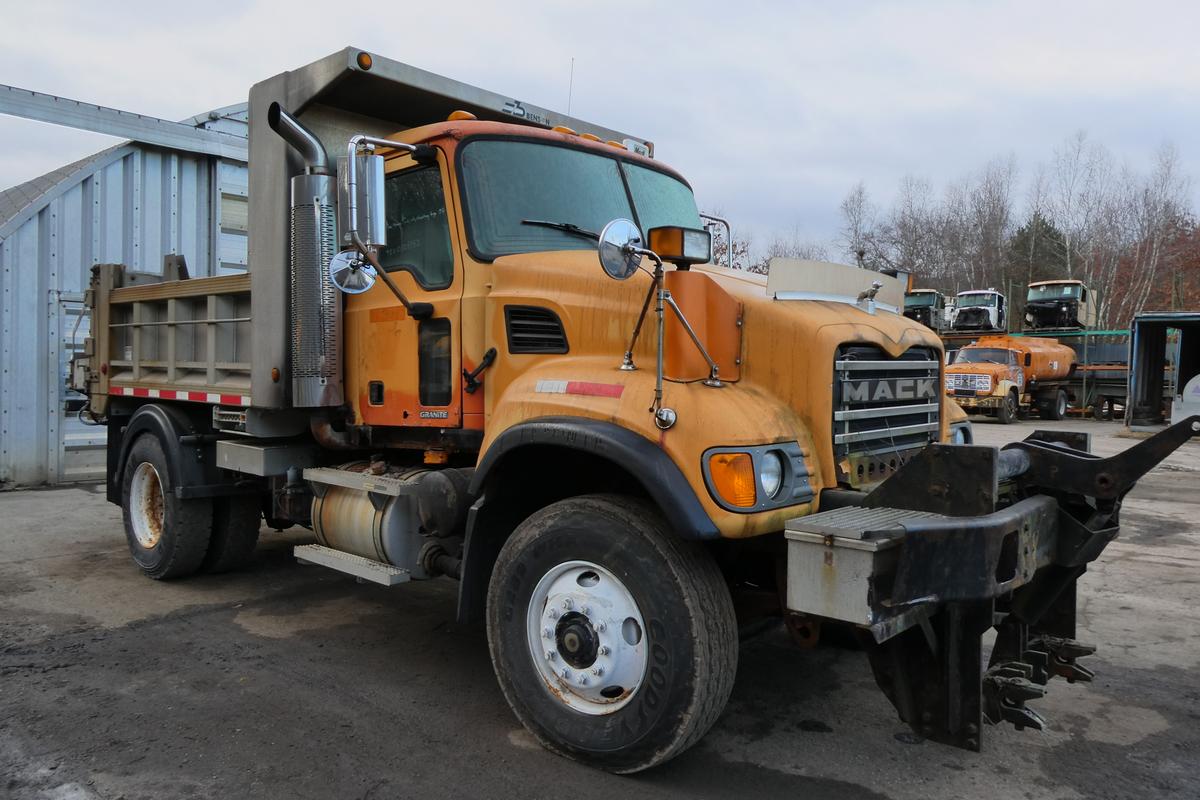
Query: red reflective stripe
[[595, 389], [140, 392], [231, 399], [199, 397]]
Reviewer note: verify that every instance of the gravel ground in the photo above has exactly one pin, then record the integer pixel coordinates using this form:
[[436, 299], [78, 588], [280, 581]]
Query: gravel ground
[[291, 681]]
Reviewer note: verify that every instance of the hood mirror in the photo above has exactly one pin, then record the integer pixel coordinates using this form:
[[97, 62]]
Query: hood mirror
[[620, 249], [350, 273]]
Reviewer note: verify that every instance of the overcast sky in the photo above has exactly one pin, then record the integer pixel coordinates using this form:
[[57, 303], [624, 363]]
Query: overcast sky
[[772, 110]]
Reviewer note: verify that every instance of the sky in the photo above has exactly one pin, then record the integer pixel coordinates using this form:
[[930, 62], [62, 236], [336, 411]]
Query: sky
[[773, 111]]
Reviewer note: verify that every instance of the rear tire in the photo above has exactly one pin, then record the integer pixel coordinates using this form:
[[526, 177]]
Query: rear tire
[[167, 537], [235, 525], [652, 612], [1009, 409], [1056, 408], [1103, 409]]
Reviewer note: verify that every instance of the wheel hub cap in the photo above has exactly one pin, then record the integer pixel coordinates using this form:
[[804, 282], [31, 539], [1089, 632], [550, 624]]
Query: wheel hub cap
[[146, 505], [587, 637]]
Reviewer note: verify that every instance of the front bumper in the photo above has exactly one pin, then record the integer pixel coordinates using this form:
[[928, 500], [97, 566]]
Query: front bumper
[[973, 401], [961, 540], [885, 569]]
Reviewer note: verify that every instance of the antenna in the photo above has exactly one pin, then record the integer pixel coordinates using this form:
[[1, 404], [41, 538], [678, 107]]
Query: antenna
[[570, 86]]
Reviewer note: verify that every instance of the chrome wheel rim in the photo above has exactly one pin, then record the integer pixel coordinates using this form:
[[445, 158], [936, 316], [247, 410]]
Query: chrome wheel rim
[[587, 637], [146, 505]]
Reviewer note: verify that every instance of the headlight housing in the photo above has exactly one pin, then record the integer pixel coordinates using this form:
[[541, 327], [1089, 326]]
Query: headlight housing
[[758, 478]]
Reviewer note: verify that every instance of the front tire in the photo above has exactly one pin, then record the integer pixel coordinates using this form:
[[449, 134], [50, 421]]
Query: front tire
[[613, 640], [167, 537], [1009, 409]]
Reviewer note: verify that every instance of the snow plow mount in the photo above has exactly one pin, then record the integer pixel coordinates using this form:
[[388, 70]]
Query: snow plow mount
[[960, 540]]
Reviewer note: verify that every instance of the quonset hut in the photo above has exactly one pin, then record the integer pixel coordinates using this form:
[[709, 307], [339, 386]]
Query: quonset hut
[[173, 189]]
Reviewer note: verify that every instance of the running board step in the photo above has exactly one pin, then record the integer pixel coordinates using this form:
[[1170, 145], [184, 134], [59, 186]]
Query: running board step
[[359, 567]]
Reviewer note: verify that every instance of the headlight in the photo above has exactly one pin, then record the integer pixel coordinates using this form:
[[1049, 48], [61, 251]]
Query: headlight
[[770, 472]]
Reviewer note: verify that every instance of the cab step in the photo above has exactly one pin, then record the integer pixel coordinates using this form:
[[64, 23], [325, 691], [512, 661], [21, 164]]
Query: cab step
[[362, 568]]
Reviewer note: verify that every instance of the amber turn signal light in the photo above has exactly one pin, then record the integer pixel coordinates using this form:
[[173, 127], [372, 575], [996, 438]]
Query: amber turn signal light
[[733, 478], [681, 246], [364, 60]]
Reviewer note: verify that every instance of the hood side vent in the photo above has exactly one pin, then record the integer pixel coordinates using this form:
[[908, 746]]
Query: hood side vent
[[533, 329]]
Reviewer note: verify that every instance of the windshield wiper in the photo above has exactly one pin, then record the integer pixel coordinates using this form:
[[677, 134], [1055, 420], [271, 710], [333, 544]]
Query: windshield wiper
[[565, 227]]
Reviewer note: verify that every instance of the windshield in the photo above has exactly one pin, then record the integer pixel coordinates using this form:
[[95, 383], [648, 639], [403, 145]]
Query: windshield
[[1054, 291], [982, 355], [507, 181], [922, 300], [973, 300]]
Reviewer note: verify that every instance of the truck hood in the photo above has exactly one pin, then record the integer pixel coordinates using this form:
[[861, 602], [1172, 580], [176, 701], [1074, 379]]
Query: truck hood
[[787, 349]]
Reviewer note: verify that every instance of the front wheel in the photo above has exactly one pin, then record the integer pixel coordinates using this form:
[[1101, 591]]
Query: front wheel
[[1009, 409], [613, 640]]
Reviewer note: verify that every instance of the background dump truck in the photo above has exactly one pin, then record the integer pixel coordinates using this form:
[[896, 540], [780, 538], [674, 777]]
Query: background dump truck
[[1003, 375], [479, 340]]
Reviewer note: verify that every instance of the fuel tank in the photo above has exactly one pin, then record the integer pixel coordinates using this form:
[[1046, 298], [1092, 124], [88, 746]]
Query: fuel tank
[[378, 527]]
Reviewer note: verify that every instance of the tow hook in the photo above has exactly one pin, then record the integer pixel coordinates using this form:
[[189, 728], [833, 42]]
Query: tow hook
[[1006, 687]]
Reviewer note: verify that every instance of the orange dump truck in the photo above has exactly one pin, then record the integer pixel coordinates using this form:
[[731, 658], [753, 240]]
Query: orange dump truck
[[482, 342], [1007, 375]]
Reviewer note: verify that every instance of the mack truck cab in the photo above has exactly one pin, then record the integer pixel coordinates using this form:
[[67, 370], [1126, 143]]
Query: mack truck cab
[[979, 310], [926, 306], [1059, 305], [484, 343]]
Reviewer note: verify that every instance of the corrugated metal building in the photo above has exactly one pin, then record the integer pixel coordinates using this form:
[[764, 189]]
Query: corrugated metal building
[[130, 204]]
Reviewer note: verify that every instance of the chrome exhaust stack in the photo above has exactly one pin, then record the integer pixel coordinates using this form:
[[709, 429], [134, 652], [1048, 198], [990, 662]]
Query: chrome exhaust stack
[[316, 304]]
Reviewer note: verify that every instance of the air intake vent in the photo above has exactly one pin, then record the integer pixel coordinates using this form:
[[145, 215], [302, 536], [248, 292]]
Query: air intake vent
[[534, 330]]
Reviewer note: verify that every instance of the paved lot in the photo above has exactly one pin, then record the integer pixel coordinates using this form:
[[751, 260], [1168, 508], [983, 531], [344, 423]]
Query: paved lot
[[291, 681]]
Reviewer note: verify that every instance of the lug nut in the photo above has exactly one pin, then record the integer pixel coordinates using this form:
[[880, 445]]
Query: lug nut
[[567, 603], [583, 680], [547, 633], [604, 650], [566, 673], [601, 627], [598, 671], [554, 613], [586, 611], [551, 655]]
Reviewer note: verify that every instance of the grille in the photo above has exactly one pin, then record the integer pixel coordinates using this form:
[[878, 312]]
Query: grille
[[979, 383], [532, 329], [883, 407]]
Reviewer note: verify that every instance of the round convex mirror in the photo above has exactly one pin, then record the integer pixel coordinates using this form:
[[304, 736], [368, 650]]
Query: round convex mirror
[[350, 273], [620, 260]]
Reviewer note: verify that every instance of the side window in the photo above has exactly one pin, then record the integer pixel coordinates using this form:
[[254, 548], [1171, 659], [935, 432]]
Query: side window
[[417, 229]]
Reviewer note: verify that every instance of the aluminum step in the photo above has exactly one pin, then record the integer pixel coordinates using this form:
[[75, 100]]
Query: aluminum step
[[359, 567], [857, 522]]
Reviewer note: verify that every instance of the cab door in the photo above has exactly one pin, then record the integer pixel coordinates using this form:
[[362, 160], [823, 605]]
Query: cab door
[[401, 371]]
